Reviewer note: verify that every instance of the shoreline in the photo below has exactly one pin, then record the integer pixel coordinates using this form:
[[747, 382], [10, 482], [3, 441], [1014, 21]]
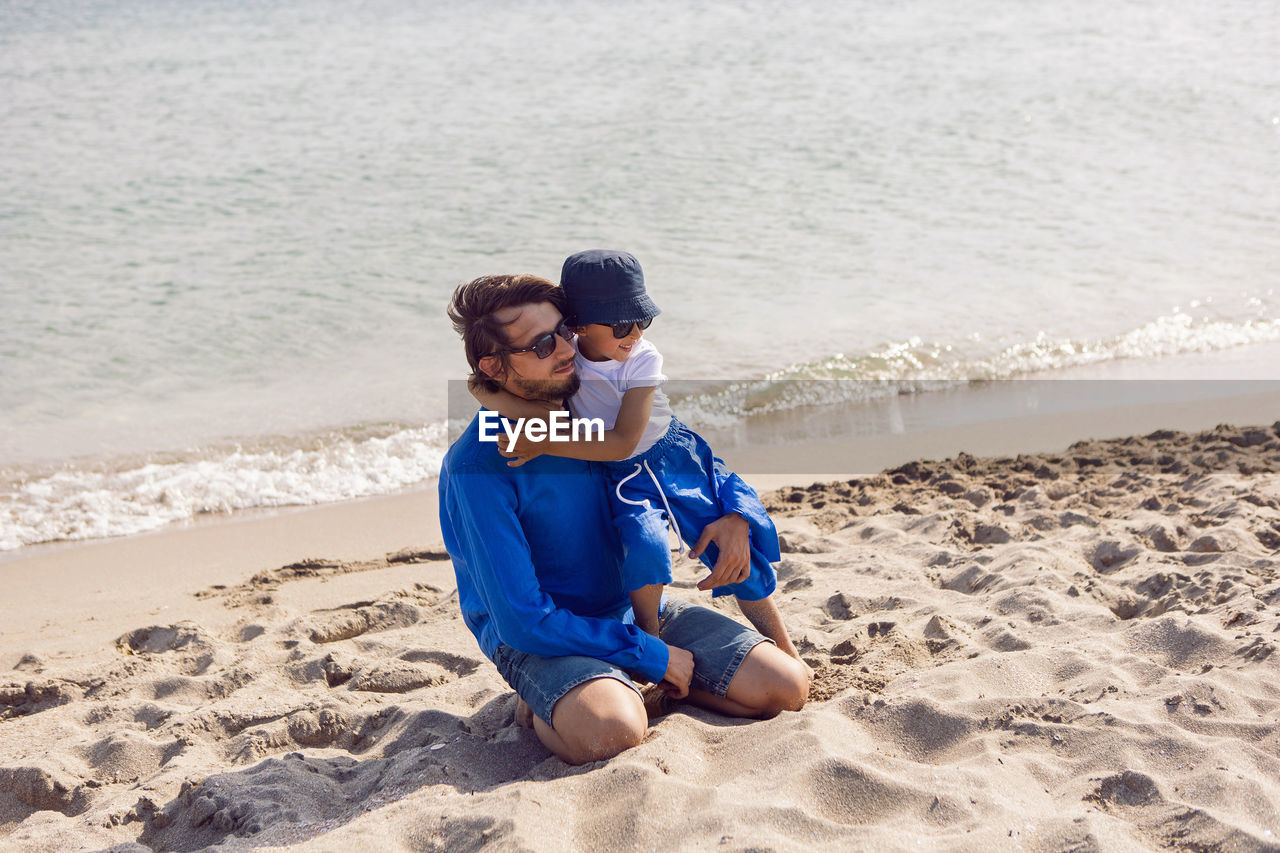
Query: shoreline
[[107, 582], [115, 495]]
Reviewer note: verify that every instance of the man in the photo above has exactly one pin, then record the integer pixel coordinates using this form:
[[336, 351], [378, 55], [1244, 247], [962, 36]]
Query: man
[[538, 560]]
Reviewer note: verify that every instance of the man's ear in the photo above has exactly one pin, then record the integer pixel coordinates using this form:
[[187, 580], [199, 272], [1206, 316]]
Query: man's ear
[[491, 366]]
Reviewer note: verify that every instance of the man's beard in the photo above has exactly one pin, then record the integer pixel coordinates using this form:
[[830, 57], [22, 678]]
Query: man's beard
[[549, 390]]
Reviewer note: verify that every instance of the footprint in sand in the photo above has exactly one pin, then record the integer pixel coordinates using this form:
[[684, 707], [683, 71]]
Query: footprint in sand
[[43, 789], [20, 698], [849, 793], [366, 617], [412, 670], [1111, 555], [1137, 798]]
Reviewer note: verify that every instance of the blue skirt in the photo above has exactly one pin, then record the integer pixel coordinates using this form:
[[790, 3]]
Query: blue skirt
[[698, 489]]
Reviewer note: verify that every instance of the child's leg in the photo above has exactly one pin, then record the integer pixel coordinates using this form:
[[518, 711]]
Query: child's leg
[[646, 560], [765, 616], [755, 599], [646, 549], [644, 602]]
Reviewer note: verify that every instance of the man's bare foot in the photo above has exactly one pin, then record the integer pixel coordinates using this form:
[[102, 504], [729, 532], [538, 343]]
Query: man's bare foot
[[524, 714], [656, 701]]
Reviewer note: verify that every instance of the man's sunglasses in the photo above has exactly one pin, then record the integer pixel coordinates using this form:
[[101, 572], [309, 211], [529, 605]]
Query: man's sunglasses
[[546, 344], [621, 330]]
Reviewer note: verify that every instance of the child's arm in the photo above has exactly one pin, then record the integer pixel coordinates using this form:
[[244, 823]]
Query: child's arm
[[509, 405], [617, 443]]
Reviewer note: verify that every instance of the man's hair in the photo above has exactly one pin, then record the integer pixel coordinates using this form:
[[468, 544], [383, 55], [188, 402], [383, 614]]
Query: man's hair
[[472, 308]]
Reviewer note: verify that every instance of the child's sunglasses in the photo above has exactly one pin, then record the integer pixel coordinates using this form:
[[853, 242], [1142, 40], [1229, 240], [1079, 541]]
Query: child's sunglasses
[[544, 345], [621, 330]]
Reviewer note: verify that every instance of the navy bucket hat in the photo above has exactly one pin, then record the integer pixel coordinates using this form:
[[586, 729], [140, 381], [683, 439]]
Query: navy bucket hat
[[605, 286]]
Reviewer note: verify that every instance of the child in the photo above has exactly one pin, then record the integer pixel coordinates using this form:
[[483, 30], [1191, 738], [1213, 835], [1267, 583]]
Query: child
[[660, 471]]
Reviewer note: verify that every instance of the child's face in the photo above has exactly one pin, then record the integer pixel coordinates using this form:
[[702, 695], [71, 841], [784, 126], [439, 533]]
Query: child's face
[[598, 343]]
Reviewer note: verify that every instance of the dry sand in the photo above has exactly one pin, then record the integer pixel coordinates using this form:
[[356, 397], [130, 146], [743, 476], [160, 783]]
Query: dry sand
[[1066, 651]]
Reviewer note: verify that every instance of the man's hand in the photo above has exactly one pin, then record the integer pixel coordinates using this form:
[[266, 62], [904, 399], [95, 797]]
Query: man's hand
[[679, 672], [732, 536]]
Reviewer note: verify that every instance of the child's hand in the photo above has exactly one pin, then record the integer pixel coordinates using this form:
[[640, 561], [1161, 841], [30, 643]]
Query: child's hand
[[732, 537], [521, 452]]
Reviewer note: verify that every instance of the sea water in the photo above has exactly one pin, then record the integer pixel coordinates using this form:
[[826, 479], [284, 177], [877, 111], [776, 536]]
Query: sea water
[[228, 229]]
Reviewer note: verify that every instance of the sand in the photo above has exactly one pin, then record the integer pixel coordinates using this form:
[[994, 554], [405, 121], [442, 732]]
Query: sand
[[1072, 650]]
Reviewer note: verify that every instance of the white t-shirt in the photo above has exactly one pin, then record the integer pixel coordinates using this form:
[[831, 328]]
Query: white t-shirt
[[604, 383]]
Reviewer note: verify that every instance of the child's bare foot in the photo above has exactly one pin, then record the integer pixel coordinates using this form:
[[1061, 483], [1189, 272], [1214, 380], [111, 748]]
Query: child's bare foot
[[524, 714]]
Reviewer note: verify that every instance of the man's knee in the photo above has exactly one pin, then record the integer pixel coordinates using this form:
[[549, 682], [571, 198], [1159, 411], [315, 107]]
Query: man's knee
[[793, 685], [779, 681], [599, 719], [786, 685], [610, 735]]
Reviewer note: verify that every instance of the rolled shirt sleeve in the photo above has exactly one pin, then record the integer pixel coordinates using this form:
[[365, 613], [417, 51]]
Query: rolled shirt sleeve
[[737, 496]]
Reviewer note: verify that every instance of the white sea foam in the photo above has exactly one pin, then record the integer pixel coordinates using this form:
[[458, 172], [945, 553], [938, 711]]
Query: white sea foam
[[102, 500], [915, 366]]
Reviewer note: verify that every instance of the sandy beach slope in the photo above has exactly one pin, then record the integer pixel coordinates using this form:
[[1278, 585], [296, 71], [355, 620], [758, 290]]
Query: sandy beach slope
[[1056, 651]]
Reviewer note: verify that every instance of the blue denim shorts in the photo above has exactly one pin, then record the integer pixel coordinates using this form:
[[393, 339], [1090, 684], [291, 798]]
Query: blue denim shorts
[[718, 644]]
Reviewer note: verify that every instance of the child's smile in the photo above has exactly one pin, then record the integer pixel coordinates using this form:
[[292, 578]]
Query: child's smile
[[597, 343]]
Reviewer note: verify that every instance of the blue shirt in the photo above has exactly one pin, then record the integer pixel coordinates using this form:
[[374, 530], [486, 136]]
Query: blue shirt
[[537, 557]]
